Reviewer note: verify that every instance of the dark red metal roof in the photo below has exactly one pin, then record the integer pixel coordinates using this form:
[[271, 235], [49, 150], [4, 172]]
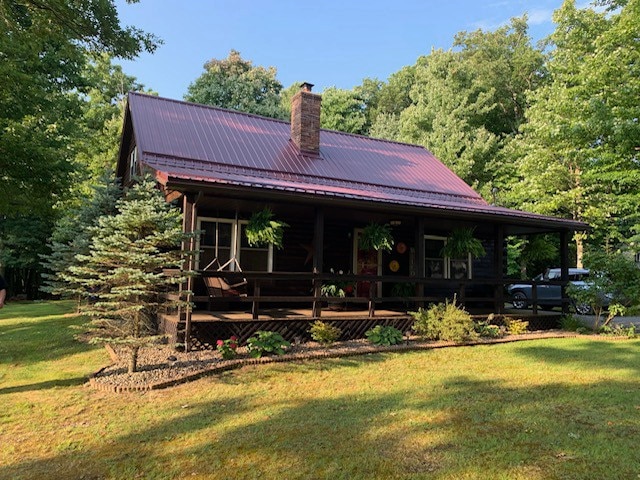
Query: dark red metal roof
[[186, 141]]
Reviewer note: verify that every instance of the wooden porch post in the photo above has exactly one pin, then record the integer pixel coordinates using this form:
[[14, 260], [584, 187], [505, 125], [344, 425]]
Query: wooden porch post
[[318, 260], [189, 220], [419, 259], [564, 268], [498, 256]]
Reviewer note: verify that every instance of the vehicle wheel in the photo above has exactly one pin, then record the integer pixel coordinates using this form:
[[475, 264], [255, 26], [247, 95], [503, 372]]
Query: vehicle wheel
[[582, 309], [519, 300]]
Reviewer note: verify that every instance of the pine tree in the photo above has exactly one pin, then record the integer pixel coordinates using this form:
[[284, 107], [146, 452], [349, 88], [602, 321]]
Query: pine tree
[[71, 237], [123, 271]]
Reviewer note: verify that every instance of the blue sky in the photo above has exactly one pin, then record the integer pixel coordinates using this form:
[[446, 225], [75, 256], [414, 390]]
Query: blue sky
[[326, 42]]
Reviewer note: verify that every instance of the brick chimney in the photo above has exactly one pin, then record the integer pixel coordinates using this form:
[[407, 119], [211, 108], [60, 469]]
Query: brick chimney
[[305, 119]]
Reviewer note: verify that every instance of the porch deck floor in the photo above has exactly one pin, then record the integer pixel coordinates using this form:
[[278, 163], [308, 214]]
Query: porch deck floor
[[290, 314]]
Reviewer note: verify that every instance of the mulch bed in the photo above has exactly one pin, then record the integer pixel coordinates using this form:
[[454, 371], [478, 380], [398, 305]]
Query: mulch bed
[[162, 366]]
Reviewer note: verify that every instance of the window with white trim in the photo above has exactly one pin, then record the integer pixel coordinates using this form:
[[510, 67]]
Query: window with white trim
[[436, 265], [133, 162], [222, 239]]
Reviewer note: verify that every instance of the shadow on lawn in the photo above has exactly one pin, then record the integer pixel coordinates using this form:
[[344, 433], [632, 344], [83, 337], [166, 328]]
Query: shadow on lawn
[[67, 382], [589, 353], [461, 427]]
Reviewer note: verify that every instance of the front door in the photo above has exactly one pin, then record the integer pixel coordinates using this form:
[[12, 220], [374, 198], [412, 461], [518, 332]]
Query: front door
[[365, 262]]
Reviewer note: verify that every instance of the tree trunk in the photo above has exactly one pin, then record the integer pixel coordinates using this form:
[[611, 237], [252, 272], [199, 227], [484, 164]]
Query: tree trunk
[[579, 237], [133, 360]]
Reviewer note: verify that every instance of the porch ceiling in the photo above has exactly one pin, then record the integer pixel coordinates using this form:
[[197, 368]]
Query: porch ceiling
[[233, 197]]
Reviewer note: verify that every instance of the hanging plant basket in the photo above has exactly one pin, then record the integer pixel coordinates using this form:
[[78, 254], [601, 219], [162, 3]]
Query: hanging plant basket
[[461, 243], [263, 230], [376, 237]]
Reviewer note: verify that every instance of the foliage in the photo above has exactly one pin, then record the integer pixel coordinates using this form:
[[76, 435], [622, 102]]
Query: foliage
[[570, 323], [263, 230], [485, 329], [72, 237], [516, 326], [376, 237], [403, 289], [324, 333], [236, 84], [461, 243], [123, 269], [266, 343], [384, 335], [577, 154], [343, 110], [444, 321], [527, 256], [613, 279], [47, 50], [617, 330], [228, 348], [337, 289]]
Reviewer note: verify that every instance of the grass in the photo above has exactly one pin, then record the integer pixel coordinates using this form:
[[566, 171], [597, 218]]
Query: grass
[[549, 409]]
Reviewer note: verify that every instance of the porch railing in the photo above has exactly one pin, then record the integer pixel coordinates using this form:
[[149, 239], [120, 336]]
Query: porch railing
[[426, 290]]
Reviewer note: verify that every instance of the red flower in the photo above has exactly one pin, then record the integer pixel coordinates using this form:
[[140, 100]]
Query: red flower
[[233, 346], [234, 338], [220, 343]]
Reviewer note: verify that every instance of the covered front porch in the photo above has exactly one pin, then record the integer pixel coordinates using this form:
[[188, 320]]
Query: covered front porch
[[240, 288]]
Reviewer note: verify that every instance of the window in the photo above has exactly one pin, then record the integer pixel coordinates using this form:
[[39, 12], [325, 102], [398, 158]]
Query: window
[[438, 266], [133, 162], [223, 238], [254, 259]]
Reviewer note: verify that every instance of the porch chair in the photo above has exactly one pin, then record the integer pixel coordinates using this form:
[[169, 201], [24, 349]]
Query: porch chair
[[219, 287]]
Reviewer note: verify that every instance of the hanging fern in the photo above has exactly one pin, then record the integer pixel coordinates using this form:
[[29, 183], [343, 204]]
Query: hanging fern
[[262, 230], [376, 237], [461, 243]]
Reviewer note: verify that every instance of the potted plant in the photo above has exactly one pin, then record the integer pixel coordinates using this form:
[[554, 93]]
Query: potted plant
[[376, 237], [461, 243], [263, 230], [337, 289]]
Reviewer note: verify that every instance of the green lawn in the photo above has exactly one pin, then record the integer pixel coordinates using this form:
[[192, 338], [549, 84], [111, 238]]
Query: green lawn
[[549, 409]]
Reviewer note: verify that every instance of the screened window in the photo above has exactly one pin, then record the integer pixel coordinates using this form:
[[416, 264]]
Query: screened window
[[223, 239], [216, 241], [255, 259], [438, 266]]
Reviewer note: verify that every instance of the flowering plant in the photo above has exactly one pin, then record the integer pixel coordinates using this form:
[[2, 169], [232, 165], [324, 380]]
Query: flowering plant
[[337, 289], [227, 348]]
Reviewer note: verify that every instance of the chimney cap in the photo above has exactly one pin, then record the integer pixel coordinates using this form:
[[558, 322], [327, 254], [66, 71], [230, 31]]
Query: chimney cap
[[306, 86]]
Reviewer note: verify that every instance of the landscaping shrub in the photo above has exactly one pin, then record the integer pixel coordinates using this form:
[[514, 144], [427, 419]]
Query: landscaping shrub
[[570, 323], [266, 343], [227, 348], [324, 333], [444, 321], [485, 329], [616, 330], [380, 335], [516, 326]]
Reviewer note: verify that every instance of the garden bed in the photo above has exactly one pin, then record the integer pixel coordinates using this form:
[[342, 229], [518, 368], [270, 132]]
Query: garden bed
[[162, 366]]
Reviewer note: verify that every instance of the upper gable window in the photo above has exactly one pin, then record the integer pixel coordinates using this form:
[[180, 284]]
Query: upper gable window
[[133, 162]]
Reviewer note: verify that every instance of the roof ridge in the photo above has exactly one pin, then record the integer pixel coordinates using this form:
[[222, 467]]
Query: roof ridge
[[278, 120], [209, 107]]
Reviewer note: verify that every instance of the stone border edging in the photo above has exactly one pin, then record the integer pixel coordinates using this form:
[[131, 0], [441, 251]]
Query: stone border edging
[[226, 365]]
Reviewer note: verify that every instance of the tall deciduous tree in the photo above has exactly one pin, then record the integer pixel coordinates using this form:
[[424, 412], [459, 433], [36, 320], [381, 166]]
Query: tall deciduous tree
[[236, 84], [578, 151], [43, 46], [343, 110]]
